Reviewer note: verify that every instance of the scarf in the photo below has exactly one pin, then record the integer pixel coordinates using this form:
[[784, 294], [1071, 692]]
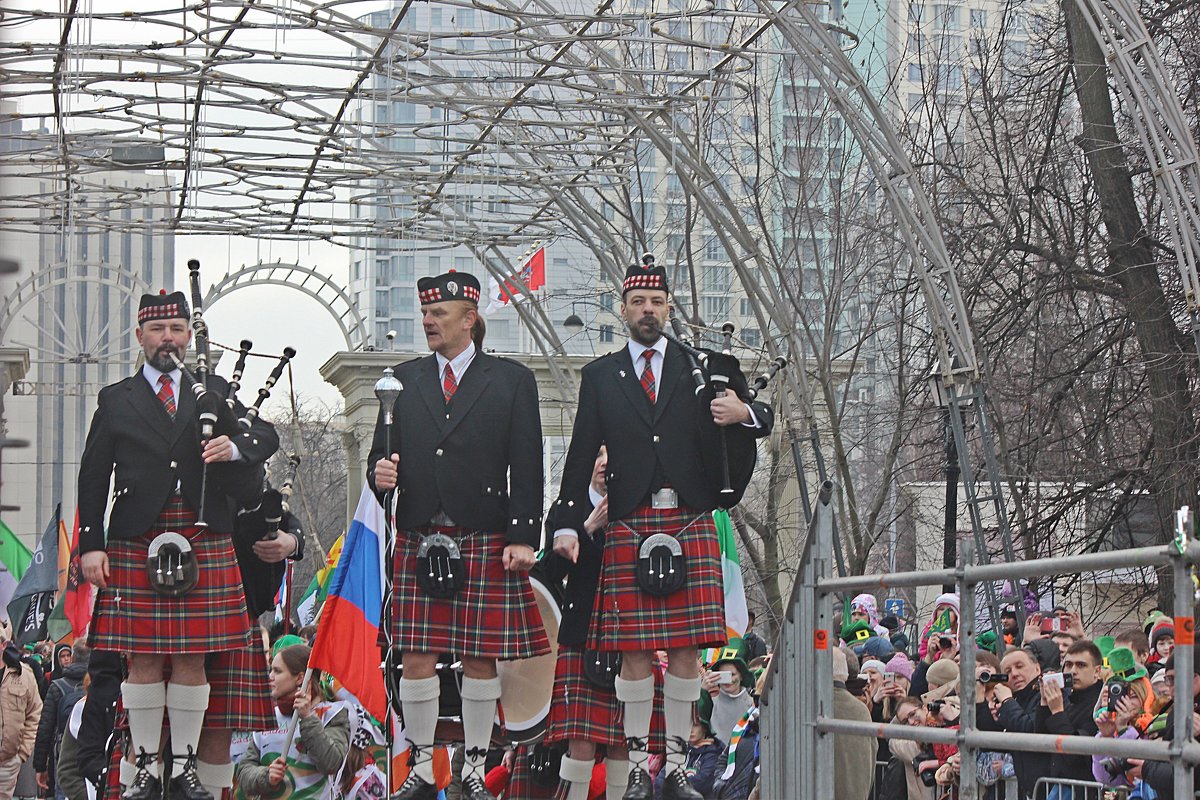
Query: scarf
[[739, 730]]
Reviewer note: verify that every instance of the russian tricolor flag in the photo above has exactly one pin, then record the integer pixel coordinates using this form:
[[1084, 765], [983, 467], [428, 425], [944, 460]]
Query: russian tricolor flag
[[346, 645]]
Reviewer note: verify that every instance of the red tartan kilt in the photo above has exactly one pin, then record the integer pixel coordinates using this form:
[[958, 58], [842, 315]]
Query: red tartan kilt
[[630, 619], [582, 710], [209, 618], [493, 615], [520, 783], [240, 696]]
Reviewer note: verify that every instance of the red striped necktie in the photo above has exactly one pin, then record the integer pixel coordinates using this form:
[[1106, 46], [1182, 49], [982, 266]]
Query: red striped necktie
[[449, 385], [648, 376], [165, 395]]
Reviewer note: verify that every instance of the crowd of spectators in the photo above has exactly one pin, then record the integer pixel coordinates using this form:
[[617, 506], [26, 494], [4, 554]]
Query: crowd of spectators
[[1053, 679]]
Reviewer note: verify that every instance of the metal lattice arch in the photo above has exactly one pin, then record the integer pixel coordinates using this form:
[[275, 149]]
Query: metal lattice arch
[[320, 287], [44, 280]]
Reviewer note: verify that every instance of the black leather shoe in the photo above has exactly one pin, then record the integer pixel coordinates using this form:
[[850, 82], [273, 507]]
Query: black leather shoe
[[186, 785], [676, 787], [473, 789], [145, 786], [640, 786], [414, 788]]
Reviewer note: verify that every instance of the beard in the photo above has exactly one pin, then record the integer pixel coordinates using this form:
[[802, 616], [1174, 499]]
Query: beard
[[645, 330], [160, 359]]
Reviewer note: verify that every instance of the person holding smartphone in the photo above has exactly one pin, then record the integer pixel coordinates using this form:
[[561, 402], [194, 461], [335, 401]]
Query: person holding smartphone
[[732, 677], [1067, 706]]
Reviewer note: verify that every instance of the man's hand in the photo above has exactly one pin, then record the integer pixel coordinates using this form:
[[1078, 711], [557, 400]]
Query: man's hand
[[1052, 697], [729, 410], [598, 518], [218, 449], [94, 564], [567, 547], [276, 771], [1033, 627], [1001, 692], [43, 780], [1073, 625], [386, 470], [272, 551], [519, 557]]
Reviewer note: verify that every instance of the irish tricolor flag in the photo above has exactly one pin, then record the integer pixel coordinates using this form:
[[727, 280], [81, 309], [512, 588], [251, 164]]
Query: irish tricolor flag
[[737, 615]]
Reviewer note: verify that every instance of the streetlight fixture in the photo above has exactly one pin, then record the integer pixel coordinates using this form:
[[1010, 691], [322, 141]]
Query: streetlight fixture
[[941, 397]]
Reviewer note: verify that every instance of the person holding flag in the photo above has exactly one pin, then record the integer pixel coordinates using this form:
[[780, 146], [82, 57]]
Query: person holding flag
[[144, 441], [465, 469], [658, 486]]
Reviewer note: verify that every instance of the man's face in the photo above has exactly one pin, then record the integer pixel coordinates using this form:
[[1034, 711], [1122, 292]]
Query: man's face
[[1083, 671], [599, 470], [447, 326], [645, 312], [1064, 643], [160, 338], [1009, 624], [1021, 669]]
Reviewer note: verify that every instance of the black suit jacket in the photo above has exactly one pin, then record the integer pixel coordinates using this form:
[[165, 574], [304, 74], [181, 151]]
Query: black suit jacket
[[644, 441], [580, 581], [479, 458], [134, 442]]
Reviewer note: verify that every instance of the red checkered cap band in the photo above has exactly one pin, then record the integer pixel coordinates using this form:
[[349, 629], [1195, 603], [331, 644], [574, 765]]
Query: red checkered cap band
[[433, 295], [644, 282], [167, 311], [471, 293]]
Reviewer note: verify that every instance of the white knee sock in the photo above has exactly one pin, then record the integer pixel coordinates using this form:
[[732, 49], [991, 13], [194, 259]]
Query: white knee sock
[[479, 698], [419, 703], [185, 708], [215, 777], [128, 772], [679, 695], [637, 698], [144, 704], [577, 775], [616, 778]]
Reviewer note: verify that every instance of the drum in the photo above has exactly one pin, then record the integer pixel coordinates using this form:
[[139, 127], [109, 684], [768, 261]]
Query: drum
[[527, 685]]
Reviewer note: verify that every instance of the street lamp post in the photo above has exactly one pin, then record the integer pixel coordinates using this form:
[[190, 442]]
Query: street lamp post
[[950, 522]]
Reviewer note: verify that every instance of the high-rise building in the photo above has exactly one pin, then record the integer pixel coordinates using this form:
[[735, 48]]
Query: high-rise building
[[73, 304]]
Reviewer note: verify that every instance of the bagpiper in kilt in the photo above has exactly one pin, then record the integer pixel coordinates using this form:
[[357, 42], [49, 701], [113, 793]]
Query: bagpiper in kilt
[[239, 698], [462, 459], [144, 440], [659, 482]]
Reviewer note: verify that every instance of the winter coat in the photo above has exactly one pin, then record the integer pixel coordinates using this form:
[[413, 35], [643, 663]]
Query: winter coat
[[54, 721], [904, 751], [319, 750], [1019, 715], [20, 710], [703, 765], [1075, 719], [853, 756]]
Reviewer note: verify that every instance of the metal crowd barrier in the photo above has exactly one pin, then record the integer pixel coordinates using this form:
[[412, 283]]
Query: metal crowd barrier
[[1067, 789], [797, 704]]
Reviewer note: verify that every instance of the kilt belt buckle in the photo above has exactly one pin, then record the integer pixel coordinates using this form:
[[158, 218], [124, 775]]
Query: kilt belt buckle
[[171, 565], [440, 570], [664, 498], [661, 567], [601, 667]]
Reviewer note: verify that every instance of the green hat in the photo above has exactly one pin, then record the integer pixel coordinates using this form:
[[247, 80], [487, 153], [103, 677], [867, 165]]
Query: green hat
[[1150, 619], [1123, 665], [1105, 645], [986, 641], [857, 632], [285, 641], [733, 655]]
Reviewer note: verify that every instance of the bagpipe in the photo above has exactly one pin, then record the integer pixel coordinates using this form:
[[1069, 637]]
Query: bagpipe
[[729, 459], [171, 563]]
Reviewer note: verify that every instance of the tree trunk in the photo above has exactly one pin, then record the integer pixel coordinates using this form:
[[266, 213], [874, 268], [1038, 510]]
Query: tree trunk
[[1131, 263]]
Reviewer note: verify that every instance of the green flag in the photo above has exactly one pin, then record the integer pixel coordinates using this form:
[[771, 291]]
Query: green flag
[[14, 560]]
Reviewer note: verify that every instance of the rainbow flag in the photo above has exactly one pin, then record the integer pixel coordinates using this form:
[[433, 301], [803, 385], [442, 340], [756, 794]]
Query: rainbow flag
[[318, 588], [346, 643]]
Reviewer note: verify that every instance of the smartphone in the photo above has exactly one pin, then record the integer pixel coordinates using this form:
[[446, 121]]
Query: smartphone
[[1054, 679], [1055, 625], [889, 677], [724, 677]]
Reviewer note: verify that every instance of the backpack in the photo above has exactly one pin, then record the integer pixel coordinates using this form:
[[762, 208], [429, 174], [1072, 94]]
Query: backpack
[[72, 692]]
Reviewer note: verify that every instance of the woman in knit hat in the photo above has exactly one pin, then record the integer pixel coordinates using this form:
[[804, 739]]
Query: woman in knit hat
[[1162, 642], [943, 619]]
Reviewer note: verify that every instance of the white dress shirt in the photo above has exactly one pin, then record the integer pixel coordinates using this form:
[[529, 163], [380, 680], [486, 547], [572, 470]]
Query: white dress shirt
[[152, 375], [459, 364]]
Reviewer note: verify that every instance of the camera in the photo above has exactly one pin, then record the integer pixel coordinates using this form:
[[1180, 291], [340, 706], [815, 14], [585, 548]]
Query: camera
[[1116, 766], [1116, 690], [945, 642], [992, 677], [935, 706], [1060, 679], [928, 776]]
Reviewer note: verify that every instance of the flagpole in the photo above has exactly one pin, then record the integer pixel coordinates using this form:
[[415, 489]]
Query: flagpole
[[387, 391]]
